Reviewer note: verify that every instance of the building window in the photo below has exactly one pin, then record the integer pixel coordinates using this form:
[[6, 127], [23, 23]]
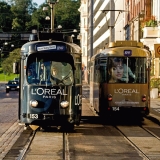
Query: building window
[[127, 33], [83, 53]]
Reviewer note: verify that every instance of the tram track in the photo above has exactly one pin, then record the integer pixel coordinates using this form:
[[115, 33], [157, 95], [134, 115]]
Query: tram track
[[133, 144], [141, 138], [57, 144], [54, 144], [145, 128], [26, 147], [44, 138]]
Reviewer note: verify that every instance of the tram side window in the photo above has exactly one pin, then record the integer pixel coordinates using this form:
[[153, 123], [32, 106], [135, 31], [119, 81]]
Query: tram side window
[[121, 70], [97, 74], [115, 70], [91, 74], [127, 70], [78, 76], [103, 74], [141, 70]]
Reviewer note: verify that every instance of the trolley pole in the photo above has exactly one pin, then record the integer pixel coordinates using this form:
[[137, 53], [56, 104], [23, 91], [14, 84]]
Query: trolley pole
[[52, 17]]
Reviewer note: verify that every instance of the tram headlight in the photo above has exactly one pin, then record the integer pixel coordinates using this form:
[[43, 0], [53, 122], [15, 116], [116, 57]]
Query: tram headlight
[[33, 103], [7, 87], [64, 104]]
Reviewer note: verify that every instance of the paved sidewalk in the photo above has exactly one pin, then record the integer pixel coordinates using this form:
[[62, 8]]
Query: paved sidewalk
[[155, 108]]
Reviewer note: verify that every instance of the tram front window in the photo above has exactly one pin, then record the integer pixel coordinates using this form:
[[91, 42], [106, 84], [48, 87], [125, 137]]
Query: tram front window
[[127, 70], [44, 72]]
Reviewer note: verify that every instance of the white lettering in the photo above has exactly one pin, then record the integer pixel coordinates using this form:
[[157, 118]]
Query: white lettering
[[34, 93], [78, 99], [124, 102], [125, 91], [46, 47], [47, 92], [53, 91], [59, 92], [40, 93], [63, 92]]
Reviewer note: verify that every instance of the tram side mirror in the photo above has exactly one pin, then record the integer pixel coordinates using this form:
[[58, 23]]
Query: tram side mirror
[[16, 68]]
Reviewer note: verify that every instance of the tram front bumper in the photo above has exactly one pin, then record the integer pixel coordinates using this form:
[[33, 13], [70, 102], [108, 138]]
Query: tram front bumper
[[128, 109], [47, 118]]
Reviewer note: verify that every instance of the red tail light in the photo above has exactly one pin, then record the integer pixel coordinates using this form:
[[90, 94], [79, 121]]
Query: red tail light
[[144, 108], [109, 97], [144, 98]]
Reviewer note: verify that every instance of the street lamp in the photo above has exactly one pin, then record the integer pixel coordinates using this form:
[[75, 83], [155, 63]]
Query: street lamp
[[47, 18], [51, 4], [1, 51]]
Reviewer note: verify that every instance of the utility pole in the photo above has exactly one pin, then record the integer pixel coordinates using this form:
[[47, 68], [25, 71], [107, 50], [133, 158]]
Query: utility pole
[[52, 4]]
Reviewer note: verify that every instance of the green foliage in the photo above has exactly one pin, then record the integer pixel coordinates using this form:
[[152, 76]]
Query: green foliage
[[7, 64], [149, 22], [22, 11], [5, 17], [155, 82], [6, 78], [38, 18], [67, 14], [23, 15]]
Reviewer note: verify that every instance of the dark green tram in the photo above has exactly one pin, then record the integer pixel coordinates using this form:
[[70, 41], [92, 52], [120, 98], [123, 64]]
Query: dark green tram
[[50, 82]]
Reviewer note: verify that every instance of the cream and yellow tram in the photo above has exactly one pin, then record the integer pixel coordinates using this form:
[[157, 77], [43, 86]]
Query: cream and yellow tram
[[119, 79]]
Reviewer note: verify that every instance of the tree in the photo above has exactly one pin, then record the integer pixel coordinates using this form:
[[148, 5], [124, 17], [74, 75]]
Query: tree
[[67, 14], [22, 12], [38, 18], [5, 17], [7, 64]]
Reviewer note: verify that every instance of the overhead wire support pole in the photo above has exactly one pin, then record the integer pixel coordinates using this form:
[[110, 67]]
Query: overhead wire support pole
[[120, 11], [51, 4], [105, 10]]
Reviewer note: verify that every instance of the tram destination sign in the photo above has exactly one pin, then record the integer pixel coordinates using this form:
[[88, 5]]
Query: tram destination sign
[[127, 53], [51, 48]]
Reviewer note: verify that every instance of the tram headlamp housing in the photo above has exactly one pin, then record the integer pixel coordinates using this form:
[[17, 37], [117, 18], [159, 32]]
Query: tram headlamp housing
[[33, 103], [64, 104]]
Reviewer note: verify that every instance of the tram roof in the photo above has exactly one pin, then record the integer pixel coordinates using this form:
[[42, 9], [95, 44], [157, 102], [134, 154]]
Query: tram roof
[[127, 43], [72, 47], [117, 49]]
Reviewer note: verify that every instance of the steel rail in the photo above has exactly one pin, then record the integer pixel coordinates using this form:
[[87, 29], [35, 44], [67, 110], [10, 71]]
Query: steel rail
[[23, 152]]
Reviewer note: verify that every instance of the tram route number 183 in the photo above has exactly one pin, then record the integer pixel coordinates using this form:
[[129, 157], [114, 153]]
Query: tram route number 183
[[33, 116]]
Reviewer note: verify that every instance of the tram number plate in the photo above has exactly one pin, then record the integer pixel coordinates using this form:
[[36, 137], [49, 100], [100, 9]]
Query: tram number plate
[[33, 116], [115, 108]]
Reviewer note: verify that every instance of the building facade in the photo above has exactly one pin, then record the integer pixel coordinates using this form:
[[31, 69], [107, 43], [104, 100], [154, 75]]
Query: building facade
[[104, 21]]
